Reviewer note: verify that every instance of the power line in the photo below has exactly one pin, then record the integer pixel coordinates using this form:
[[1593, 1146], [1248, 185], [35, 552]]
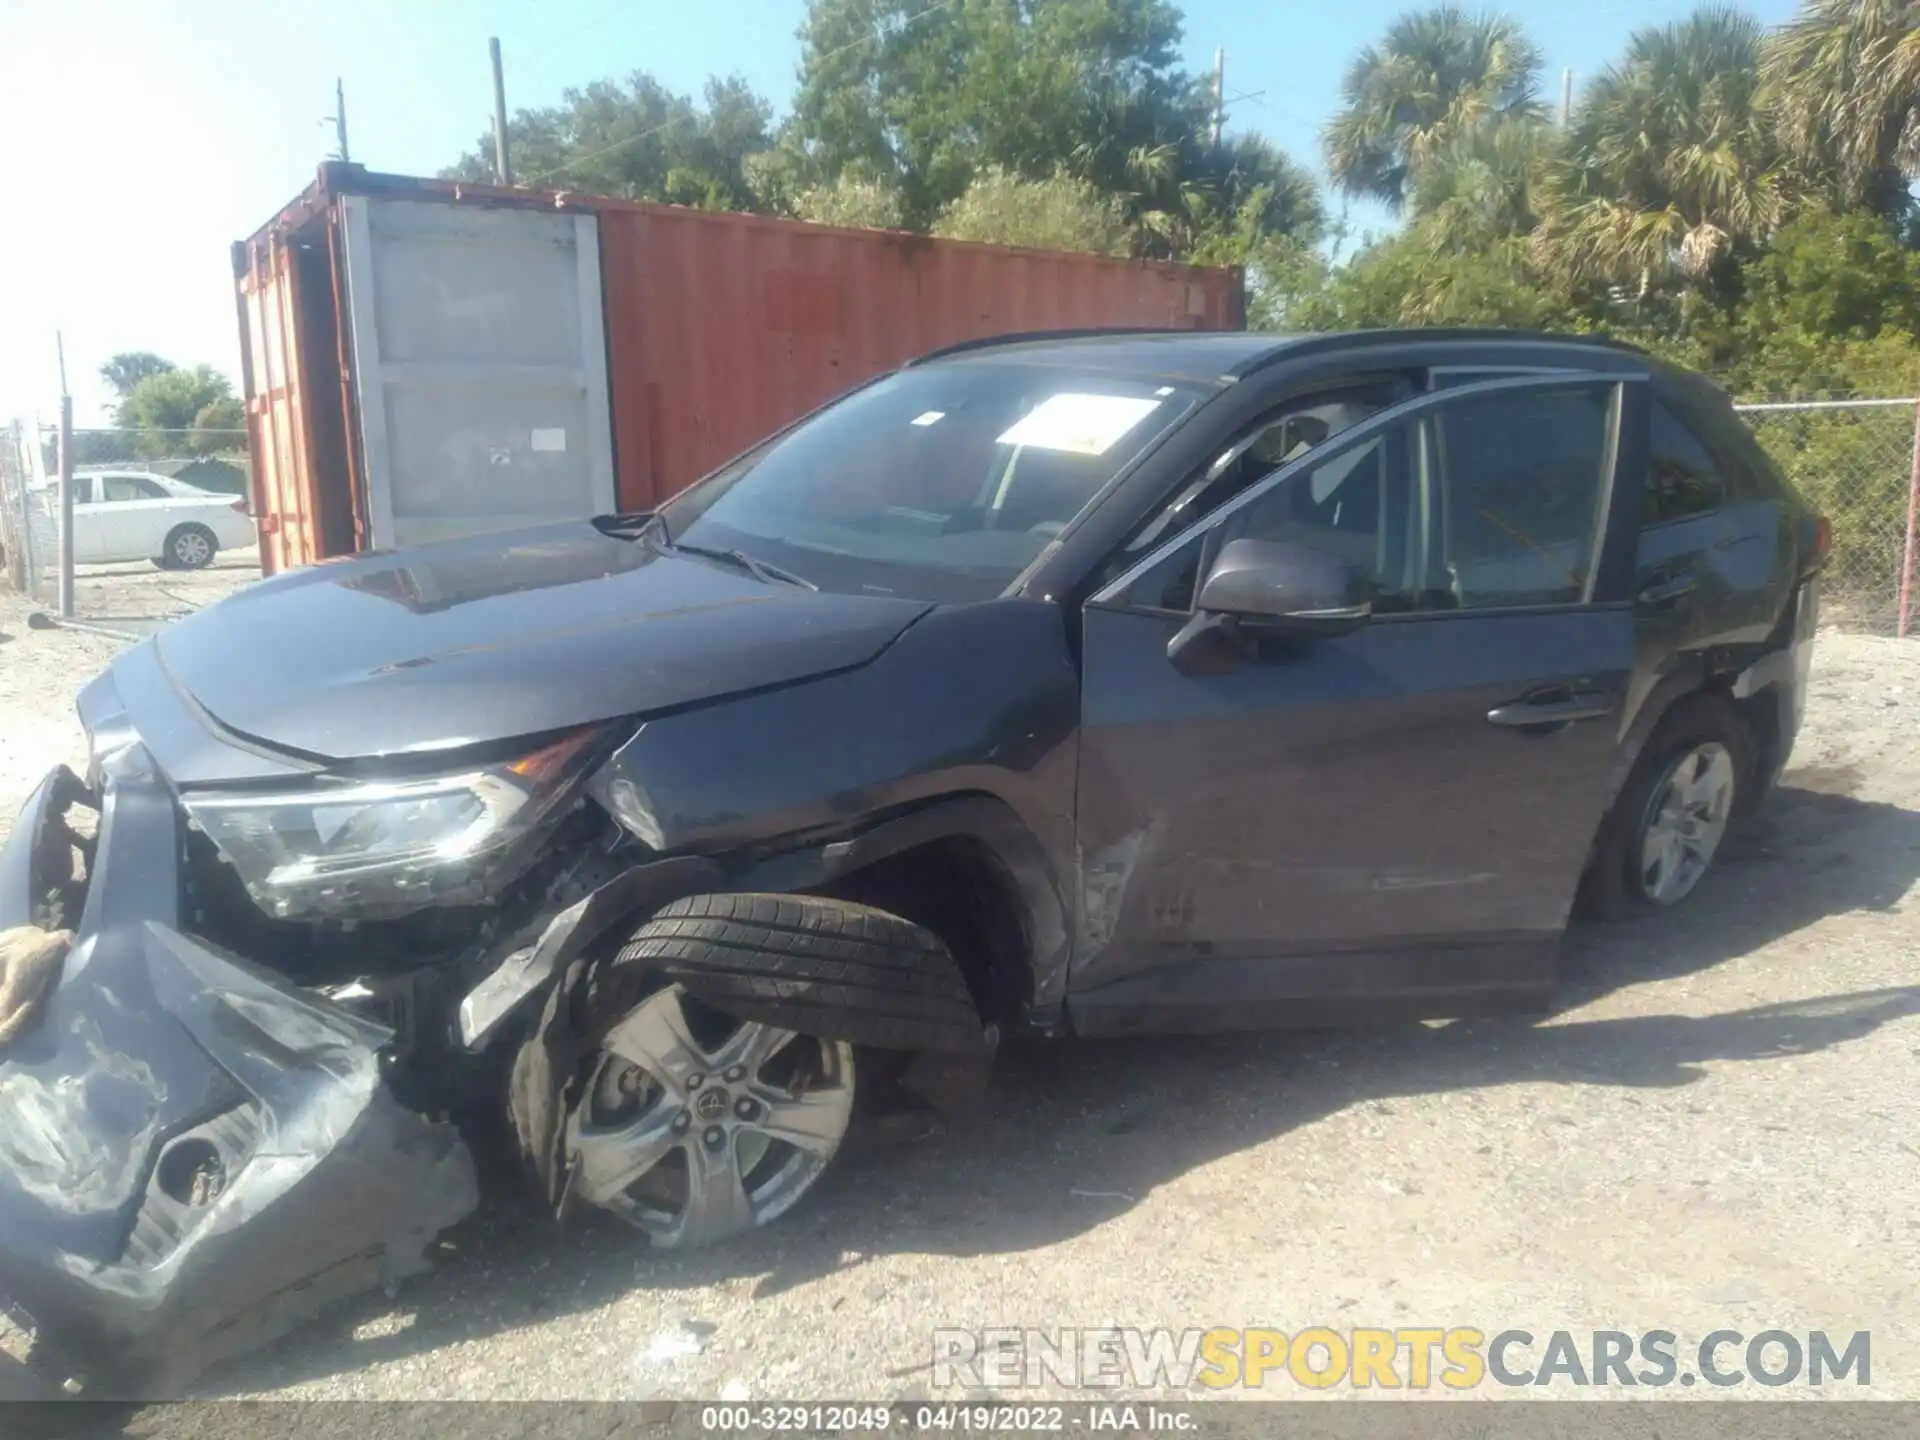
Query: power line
[[605, 150], [546, 52], [1276, 110]]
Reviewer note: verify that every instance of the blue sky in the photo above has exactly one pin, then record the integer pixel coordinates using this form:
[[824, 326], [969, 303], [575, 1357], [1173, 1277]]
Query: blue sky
[[145, 135]]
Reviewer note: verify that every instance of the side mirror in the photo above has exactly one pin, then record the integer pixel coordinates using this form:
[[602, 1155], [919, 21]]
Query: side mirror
[[1267, 587], [1277, 586]]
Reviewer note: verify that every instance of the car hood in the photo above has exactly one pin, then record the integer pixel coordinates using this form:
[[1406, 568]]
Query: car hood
[[493, 637]]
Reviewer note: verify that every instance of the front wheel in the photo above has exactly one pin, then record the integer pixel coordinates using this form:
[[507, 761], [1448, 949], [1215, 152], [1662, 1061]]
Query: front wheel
[[1672, 816], [694, 1126]]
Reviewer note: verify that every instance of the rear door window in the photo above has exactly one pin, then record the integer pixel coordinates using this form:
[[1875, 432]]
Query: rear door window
[[1683, 479], [1523, 482], [117, 488]]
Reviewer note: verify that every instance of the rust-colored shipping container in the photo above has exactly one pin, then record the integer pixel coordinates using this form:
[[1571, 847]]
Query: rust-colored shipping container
[[424, 358]]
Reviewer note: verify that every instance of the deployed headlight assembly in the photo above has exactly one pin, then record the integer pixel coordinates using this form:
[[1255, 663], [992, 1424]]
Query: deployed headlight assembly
[[360, 848]]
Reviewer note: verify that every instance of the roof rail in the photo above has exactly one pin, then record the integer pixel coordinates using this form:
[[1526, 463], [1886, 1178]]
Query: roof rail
[[1399, 335], [1289, 346], [1022, 337]]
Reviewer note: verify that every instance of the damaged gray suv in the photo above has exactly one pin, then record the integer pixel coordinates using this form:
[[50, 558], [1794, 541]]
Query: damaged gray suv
[[1063, 684]]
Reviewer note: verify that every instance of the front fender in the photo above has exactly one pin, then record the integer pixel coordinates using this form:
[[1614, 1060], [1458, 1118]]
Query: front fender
[[559, 962], [632, 893], [926, 738]]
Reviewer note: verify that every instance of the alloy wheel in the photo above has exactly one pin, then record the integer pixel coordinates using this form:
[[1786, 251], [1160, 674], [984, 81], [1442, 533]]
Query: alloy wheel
[[191, 549], [1685, 821], [694, 1126]]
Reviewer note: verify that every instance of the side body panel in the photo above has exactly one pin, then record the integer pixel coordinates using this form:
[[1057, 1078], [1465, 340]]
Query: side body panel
[[978, 700], [1336, 820]]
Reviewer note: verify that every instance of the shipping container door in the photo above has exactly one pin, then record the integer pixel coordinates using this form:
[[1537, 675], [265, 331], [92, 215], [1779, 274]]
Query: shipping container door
[[279, 416], [479, 365]]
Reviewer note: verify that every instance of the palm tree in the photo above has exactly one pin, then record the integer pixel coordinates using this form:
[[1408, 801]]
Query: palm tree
[[1186, 200], [1482, 184], [1671, 158], [1845, 78], [1436, 74]]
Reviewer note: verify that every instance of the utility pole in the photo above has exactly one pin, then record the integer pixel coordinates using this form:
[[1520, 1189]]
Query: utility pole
[[340, 118], [66, 484], [1219, 93], [1566, 97], [502, 165]]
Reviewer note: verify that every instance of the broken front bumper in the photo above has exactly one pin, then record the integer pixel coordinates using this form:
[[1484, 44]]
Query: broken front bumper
[[194, 1155]]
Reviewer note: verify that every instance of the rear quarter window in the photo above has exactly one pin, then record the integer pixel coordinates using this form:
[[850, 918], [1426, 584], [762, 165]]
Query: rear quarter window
[[1748, 470]]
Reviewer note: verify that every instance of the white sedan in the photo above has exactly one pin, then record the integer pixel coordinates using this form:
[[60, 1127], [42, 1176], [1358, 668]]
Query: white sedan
[[137, 515]]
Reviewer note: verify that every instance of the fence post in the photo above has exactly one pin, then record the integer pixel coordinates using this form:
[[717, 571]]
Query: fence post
[[1913, 518], [65, 592], [29, 566]]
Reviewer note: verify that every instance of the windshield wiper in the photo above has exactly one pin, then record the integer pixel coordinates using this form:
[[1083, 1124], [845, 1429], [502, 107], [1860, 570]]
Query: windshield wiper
[[760, 569]]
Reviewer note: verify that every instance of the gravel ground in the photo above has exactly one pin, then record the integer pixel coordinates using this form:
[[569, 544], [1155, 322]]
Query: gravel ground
[[1715, 1129], [41, 669]]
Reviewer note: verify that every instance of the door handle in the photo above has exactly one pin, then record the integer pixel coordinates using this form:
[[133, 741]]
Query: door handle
[[1665, 592], [1553, 708]]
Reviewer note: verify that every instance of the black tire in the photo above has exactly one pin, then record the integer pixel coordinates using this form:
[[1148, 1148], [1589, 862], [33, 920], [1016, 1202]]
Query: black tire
[[1614, 885], [189, 547], [821, 967]]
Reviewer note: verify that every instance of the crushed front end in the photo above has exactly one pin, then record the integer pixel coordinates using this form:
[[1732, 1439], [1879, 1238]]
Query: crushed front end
[[196, 1154]]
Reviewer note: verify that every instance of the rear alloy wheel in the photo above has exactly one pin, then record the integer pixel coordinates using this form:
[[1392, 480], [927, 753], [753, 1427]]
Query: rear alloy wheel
[[1670, 821], [190, 547], [1684, 821], [694, 1126]]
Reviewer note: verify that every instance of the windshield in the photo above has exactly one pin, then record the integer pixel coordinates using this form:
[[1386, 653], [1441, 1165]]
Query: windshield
[[942, 483]]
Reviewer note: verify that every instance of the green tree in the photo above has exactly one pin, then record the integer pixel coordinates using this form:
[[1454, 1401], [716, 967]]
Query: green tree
[[1405, 279], [1059, 213], [181, 412], [1286, 281], [1483, 185], [129, 368], [1845, 77], [925, 95], [848, 200], [639, 141], [1435, 76], [1672, 165], [1214, 205], [1831, 277]]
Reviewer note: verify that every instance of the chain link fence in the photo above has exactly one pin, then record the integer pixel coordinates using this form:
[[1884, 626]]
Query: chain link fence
[[28, 537], [114, 588], [1855, 462]]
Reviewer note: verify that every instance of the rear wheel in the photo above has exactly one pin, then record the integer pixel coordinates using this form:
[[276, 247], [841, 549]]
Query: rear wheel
[[1672, 817], [189, 547]]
